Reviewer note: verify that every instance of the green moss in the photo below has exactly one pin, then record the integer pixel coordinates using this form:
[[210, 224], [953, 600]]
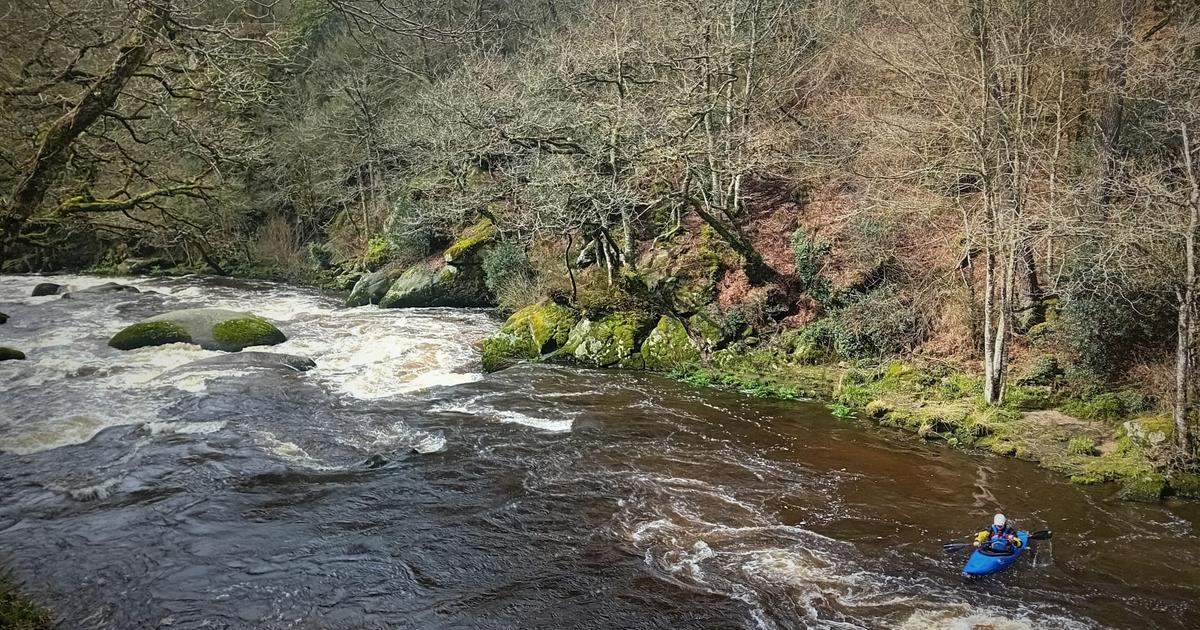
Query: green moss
[[668, 348], [145, 334], [609, 340], [1144, 488], [471, 240], [18, 612], [1185, 484], [11, 354], [1108, 406], [235, 334], [1044, 370], [528, 334], [1082, 445]]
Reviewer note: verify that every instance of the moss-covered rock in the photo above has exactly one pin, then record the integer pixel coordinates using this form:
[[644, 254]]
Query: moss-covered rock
[[1185, 484], [11, 354], [465, 250], [149, 333], [668, 347], [1150, 431], [1044, 370], [370, 288], [1148, 488], [613, 340], [235, 334], [444, 285], [209, 328], [528, 334]]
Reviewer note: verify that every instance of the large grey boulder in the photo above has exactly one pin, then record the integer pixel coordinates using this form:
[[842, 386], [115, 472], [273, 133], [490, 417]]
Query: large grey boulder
[[209, 328], [444, 285], [47, 288], [254, 359], [371, 288]]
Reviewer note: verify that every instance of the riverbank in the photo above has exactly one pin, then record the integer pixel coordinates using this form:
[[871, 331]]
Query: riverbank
[[18, 612], [1092, 437]]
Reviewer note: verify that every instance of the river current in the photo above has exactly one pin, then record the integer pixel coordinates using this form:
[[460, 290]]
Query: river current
[[395, 486]]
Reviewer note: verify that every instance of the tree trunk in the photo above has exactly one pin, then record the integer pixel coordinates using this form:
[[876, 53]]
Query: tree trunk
[[1185, 345], [101, 95], [1108, 126]]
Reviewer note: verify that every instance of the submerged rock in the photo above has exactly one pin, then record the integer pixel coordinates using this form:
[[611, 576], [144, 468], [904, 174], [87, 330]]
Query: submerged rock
[[209, 328], [612, 340], [446, 285], [255, 359], [107, 287], [668, 347], [371, 287], [528, 334], [10, 354], [47, 288]]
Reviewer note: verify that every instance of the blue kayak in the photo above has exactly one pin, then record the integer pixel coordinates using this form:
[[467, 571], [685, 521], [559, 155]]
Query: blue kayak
[[985, 561]]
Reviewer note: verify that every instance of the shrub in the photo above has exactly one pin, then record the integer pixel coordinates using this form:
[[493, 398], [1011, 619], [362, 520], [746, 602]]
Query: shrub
[[1082, 445], [504, 264], [320, 255], [1044, 370], [842, 411], [877, 323], [810, 254]]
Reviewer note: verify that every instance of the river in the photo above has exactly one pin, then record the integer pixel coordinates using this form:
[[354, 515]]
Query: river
[[394, 486]]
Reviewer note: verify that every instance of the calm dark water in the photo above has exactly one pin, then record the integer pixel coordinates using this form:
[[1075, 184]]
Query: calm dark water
[[137, 491]]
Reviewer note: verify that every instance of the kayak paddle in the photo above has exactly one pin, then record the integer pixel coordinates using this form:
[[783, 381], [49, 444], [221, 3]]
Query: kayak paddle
[[1044, 534]]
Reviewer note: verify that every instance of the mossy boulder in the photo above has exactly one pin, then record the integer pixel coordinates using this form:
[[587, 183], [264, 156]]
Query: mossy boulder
[[47, 288], [1045, 370], [466, 249], [677, 276], [209, 328], [1185, 484], [370, 288], [668, 347], [611, 341], [1148, 488], [528, 334], [1149, 430], [444, 285], [10, 354], [149, 333]]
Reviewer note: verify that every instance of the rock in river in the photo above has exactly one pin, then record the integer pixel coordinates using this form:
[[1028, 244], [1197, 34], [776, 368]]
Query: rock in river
[[47, 288], [9, 354], [252, 359], [209, 328]]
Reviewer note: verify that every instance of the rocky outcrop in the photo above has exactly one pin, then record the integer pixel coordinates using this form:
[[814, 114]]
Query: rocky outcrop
[[47, 288], [468, 248], [614, 340], [529, 334], [135, 266], [444, 285], [10, 354], [371, 287], [209, 328], [668, 347]]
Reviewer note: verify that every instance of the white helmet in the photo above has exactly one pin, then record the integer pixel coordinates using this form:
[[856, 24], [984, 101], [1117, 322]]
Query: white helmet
[[999, 521]]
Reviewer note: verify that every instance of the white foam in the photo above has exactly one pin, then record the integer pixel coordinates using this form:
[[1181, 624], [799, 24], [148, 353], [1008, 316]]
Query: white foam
[[53, 433], [545, 424], [184, 428]]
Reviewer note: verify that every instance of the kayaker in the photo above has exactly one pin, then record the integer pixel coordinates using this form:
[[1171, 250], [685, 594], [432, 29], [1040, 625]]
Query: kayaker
[[1000, 537]]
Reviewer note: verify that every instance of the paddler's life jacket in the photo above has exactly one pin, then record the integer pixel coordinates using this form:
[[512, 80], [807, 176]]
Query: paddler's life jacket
[[1001, 534]]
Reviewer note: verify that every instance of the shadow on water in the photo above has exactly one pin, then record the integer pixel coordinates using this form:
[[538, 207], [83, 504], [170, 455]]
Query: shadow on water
[[393, 486]]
